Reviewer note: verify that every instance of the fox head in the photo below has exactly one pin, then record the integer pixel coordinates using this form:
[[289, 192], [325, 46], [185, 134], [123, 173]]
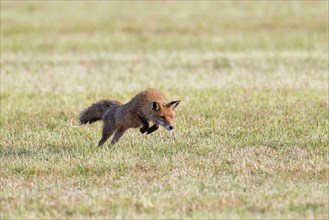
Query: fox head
[[164, 114]]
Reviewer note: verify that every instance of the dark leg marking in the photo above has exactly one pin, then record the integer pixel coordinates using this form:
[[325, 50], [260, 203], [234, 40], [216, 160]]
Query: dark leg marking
[[146, 125], [152, 129]]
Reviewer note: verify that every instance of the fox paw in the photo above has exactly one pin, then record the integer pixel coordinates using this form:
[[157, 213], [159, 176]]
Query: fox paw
[[143, 130]]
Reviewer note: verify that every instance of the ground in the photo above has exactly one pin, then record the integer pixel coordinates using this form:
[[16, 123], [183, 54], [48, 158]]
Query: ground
[[251, 137]]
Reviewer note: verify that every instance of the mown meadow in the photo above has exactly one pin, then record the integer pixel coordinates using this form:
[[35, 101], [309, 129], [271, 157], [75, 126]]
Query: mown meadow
[[251, 136]]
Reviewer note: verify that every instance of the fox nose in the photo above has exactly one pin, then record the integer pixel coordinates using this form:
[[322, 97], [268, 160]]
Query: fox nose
[[171, 127]]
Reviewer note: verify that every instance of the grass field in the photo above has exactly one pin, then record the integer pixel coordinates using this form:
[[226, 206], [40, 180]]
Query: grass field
[[251, 137]]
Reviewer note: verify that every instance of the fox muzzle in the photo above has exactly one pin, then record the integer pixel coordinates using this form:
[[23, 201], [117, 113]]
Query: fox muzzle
[[168, 127]]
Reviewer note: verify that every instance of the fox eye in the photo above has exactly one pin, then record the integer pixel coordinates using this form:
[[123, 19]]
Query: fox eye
[[163, 117]]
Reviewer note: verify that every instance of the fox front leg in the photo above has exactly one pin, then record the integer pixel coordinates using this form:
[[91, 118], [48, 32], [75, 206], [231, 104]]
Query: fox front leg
[[145, 127], [152, 129]]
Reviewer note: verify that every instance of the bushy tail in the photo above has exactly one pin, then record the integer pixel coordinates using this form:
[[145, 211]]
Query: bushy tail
[[96, 111]]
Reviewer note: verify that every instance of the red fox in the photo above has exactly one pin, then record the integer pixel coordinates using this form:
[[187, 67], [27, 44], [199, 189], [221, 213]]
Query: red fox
[[146, 106]]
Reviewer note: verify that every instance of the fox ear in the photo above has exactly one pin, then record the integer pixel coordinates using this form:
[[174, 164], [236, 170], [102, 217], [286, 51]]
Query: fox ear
[[173, 104], [155, 106]]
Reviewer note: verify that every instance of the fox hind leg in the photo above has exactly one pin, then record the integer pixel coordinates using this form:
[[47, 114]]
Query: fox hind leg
[[107, 132], [118, 134]]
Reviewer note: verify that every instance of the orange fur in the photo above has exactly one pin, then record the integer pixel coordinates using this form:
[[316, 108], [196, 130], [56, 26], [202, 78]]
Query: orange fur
[[147, 106]]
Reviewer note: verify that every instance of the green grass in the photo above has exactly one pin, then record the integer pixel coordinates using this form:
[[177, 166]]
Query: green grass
[[251, 137]]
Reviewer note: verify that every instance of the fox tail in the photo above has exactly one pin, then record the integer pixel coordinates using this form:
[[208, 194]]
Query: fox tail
[[96, 111]]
